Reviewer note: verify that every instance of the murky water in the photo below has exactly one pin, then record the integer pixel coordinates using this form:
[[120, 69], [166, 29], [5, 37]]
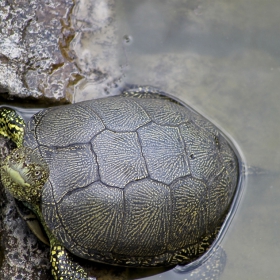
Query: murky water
[[222, 58]]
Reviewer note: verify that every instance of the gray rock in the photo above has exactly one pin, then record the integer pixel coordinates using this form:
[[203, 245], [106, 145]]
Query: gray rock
[[40, 42]]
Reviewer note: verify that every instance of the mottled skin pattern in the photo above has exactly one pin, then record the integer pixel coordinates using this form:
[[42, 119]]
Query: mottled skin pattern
[[12, 126], [137, 180]]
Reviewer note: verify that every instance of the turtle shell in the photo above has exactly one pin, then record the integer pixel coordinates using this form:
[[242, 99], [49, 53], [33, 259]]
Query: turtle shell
[[133, 181]]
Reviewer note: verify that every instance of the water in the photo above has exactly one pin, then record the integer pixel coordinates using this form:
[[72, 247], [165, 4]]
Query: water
[[222, 58]]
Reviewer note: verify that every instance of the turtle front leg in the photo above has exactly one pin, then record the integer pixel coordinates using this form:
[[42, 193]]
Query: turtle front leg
[[63, 267]]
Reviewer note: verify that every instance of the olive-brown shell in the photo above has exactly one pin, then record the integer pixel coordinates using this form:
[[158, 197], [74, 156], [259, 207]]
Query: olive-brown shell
[[132, 179]]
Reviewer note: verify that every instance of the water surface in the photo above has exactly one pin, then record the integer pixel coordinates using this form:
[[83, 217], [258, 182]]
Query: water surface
[[222, 58]]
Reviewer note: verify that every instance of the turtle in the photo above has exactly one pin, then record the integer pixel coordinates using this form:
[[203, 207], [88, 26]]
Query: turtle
[[139, 179]]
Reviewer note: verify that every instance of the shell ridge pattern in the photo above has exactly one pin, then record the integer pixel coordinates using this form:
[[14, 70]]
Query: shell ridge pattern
[[121, 225], [184, 154], [96, 113], [190, 196], [113, 130], [172, 113], [117, 131], [70, 192], [162, 152], [97, 165], [141, 150], [55, 127], [53, 228], [71, 167], [73, 237], [202, 150], [227, 154], [124, 163], [72, 145], [118, 113], [175, 125], [32, 126], [170, 226], [198, 120], [186, 149], [91, 237], [147, 211], [208, 209], [148, 114]]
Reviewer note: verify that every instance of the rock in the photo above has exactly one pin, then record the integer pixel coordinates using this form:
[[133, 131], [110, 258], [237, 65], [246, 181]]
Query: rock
[[52, 50]]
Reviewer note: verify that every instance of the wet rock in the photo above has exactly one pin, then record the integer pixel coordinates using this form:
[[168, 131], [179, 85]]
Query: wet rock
[[50, 48]]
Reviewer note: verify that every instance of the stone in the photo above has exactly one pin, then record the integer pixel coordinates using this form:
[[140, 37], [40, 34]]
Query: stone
[[60, 51]]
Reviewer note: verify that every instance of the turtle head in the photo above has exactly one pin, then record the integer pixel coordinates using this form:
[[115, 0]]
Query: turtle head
[[24, 173]]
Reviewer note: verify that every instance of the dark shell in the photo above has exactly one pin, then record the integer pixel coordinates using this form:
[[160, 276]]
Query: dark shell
[[132, 179]]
